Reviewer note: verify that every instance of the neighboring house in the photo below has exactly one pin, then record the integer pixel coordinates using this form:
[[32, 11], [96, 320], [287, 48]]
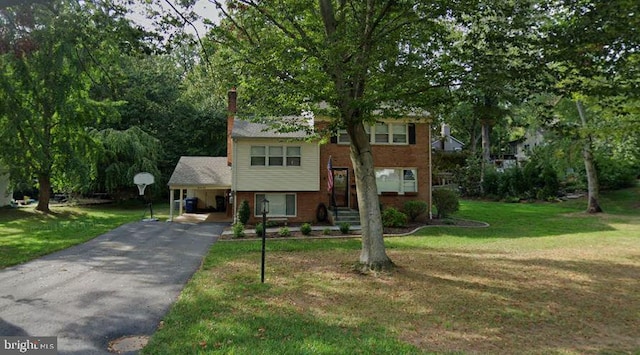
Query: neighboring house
[[291, 169], [5, 190], [523, 146], [446, 142]]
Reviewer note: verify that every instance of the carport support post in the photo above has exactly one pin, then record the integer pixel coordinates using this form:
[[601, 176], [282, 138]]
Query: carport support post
[[265, 210]]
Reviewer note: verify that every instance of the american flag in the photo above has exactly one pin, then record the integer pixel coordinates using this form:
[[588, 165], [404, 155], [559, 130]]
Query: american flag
[[330, 175]]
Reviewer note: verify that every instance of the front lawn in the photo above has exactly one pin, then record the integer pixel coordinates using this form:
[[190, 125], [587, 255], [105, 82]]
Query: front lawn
[[544, 278]]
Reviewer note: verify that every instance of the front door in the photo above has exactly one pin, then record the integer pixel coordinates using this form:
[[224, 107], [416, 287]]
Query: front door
[[341, 187]]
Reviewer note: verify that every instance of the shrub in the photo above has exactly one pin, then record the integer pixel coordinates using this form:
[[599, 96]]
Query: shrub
[[414, 208], [238, 230], [305, 229], [244, 212], [345, 227], [446, 202], [391, 217], [468, 177], [259, 229], [326, 231], [284, 232]]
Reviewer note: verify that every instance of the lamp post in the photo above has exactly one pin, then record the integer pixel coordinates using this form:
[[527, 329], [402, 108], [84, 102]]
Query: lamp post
[[265, 210]]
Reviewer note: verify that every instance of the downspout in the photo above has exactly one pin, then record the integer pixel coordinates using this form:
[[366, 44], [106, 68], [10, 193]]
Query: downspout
[[430, 174], [234, 180]]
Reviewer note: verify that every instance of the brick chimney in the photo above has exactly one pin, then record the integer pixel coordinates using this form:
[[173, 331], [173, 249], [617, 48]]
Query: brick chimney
[[232, 97]]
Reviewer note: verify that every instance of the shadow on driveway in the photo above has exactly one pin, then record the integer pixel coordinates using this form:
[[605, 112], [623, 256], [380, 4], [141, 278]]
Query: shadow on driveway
[[118, 284]]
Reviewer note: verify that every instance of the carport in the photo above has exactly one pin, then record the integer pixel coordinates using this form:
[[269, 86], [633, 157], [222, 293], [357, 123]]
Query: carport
[[204, 181]]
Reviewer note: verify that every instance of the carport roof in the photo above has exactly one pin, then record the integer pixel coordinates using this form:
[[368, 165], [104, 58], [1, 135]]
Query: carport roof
[[209, 172]]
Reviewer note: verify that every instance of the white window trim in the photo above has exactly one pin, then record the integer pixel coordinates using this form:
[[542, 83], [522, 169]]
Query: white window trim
[[402, 180], [270, 214], [266, 156]]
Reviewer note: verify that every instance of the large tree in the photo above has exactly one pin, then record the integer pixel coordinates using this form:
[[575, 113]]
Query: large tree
[[52, 54], [358, 56], [593, 51]]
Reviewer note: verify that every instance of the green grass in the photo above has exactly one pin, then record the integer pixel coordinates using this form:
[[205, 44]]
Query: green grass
[[26, 234], [543, 278]]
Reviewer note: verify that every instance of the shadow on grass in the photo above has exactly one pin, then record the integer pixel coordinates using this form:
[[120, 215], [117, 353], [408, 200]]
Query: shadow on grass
[[535, 305], [217, 324]]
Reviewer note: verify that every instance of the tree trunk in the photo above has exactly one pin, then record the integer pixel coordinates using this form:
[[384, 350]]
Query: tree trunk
[[44, 195], [592, 176], [486, 144], [373, 255]]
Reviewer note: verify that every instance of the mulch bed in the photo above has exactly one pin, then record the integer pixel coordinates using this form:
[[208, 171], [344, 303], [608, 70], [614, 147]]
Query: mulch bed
[[411, 226]]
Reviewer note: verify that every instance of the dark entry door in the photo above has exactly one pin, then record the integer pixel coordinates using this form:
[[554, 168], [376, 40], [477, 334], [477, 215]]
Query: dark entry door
[[341, 187]]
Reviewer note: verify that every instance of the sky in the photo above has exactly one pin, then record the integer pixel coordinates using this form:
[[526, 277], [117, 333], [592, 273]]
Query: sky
[[204, 8]]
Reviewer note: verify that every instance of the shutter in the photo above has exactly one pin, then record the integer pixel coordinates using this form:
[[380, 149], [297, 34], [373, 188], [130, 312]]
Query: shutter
[[412, 133]]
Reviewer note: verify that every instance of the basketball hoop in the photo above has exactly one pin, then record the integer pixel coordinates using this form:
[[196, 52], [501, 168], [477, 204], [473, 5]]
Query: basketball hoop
[[143, 180]]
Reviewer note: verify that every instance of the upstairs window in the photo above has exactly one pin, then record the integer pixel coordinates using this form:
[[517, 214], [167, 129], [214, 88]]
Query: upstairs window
[[276, 155], [383, 133]]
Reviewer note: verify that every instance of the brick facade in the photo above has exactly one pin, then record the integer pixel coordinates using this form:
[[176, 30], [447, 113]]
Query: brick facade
[[388, 156]]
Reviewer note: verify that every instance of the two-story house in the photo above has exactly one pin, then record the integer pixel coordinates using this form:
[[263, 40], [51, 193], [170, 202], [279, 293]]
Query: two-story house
[[299, 174]]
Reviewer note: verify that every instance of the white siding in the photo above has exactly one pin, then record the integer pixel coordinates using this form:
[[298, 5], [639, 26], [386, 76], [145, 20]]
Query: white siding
[[305, 177]]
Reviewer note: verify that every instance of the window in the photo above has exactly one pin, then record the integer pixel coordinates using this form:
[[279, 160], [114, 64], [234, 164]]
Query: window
[[258, 155], [293, 156], [276, 156], [383, 133], [399, 133], [280, 205], [396, 180]]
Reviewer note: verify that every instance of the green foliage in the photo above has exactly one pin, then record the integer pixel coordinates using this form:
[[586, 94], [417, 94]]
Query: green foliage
[[615, 174], [305, 229], [468, 177], [48, 89], [244, 212], [414, 209], [446, 202], [284, 232], [124, 154], [345, 227], [259, 229], [326, 231], [238, 230], [391, 217]]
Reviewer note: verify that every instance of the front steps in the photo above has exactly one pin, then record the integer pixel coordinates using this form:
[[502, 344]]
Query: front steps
[[345, 215]]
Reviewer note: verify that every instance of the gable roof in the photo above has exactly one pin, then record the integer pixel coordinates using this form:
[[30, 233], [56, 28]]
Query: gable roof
[[246, 129], [201, 171]]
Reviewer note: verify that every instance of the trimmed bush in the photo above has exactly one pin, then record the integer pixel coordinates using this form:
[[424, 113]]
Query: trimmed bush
[[326, 231], [446, 202], [238, 230], [414, 209], [345, 227], [244, 212], [259, 229], [284, 232], [305, 229], [391, 217]]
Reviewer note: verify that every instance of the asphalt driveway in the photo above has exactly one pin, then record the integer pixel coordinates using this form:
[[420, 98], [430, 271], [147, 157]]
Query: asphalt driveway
[[119, 284]]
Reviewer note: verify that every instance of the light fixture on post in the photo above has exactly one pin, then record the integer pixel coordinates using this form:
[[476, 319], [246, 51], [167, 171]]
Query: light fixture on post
[[265, 211]]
